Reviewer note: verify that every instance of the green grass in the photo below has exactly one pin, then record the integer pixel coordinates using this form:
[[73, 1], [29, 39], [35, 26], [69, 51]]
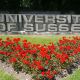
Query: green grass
[[38, 39], [5, 76], [74, 76]]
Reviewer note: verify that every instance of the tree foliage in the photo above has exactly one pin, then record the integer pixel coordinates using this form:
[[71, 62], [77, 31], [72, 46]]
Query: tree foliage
[[41, 5]]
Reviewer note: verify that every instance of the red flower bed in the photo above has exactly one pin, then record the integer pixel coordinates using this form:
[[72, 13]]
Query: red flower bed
[[40, 60]]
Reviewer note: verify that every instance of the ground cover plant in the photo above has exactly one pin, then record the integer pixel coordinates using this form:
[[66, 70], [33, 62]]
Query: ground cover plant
[[41, 61]]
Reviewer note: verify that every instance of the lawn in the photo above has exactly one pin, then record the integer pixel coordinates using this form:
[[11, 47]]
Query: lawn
[[38, 39], [5, 76], [74, 76]]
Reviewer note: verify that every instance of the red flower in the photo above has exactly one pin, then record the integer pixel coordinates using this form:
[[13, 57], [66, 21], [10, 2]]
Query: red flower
[[16, 40], [54, 72], [43, 53], [43, 73], [24, 41], [48, 56], [3, 52], [46, 62], [0, 39], [68, 47], [58, 55], [43, 48], [63, 58], [12, 60], [1, 44], [25, 45], [8, 43], [7, 38], [37, 63], [26, 62], [48, 72], [50, 76], [18, 47]]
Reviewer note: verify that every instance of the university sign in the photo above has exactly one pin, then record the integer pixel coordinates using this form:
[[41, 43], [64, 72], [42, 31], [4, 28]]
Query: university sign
[[39, 22]]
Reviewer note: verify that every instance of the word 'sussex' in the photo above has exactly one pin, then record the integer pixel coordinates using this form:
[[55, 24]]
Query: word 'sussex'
[[39, 22]]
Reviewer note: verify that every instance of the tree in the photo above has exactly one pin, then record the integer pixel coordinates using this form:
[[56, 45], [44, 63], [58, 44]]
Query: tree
[[10, 4], [41, 5]]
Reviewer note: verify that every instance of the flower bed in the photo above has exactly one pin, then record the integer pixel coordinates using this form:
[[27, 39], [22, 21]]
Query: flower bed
[[43, 61]]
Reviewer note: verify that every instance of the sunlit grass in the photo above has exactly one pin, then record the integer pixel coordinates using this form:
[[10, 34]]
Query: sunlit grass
[[5, 76], [38, 39], [74, 76]]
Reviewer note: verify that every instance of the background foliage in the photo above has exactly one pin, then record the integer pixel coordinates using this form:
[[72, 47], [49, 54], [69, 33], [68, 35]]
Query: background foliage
[[64, 6]]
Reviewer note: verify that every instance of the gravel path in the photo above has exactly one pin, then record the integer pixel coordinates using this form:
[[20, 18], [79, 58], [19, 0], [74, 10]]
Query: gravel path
[[8, 69]]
